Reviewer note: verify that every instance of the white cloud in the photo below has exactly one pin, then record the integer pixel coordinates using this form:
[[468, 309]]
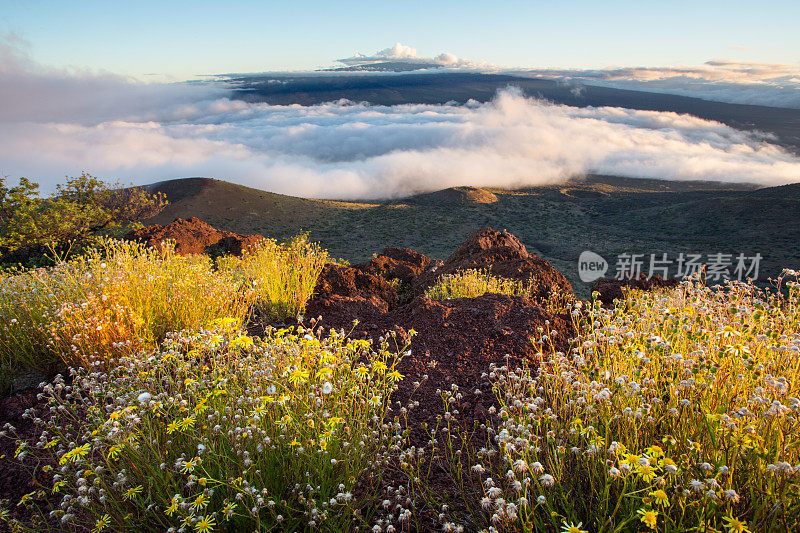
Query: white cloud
[[407, 54], [723, 80], [344, 150], [60, 123]]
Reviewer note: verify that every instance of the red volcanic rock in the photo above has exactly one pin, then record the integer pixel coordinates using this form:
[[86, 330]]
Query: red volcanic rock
[[193, 236], [399, 263], [351, 282], [503, 255], [611, 289]]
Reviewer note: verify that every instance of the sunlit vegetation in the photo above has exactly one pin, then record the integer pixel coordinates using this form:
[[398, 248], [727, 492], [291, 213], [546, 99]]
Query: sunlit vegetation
[[36, 230], [673, 411], [280, 278], [473, 283]]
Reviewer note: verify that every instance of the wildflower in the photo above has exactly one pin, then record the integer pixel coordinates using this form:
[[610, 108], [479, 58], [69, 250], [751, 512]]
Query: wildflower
[[697, 486], [520, 465], [537, 468], [101, 524], [199, 503], [205, 524], [541, 500], [327, 388], [547, 480], [646, 472], [660, 497], [648, 517], [573, 528], [734, 525], [74, 455], [143, 397], [731, 495], [130, 493]]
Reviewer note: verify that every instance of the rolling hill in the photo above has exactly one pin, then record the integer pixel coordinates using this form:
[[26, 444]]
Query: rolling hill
[[608, 215]]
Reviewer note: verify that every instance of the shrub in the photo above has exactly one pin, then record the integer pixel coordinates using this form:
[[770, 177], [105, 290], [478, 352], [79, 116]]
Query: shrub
[[473, 283], [675, 411], [115, 300], [81, 209], [217, 430], [279, 278]]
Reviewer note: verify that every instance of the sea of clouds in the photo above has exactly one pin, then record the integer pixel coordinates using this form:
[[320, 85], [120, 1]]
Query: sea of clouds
[[55, 123], [720, 80]]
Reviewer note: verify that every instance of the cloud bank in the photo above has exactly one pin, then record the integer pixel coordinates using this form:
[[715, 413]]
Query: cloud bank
[[407, 54], [721, 80], [60, 123]]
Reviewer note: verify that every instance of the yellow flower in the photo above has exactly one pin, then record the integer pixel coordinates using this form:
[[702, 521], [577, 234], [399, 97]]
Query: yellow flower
[[298, 376], [130, 493], [173, 506], [655, 451], [199, 503], [73, 455], [648, 517], [660, 497], [734, 525], [379, 367], [646, 472], [101, 523], [394, 375], [205, 524]]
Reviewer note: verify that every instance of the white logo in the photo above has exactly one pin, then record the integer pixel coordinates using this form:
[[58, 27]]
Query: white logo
[[591, 266]]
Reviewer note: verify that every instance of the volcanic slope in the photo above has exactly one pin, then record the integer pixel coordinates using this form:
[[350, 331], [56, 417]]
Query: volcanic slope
[[608, 215]]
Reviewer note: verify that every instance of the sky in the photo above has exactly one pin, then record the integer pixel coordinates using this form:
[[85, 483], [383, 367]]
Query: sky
[[101, 87], [183, 39]]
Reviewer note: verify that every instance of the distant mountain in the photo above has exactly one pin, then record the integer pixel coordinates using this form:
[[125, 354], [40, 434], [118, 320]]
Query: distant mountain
[[608, 215], [443, 87]]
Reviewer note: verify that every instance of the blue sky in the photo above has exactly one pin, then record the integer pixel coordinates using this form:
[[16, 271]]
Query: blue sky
[[182, 39]]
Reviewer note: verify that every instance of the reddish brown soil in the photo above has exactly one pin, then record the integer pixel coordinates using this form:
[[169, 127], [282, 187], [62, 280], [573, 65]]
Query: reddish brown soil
[[457, 340], [193, 236], [399, 263], [611, 289]]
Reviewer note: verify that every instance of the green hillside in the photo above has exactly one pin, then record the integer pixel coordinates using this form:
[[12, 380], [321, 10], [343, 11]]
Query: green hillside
[[608, 215]]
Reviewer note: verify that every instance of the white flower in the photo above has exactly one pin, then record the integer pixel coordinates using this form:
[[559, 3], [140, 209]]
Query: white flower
[[541, 500], [696, 485], [731, 495], [144, 397], [547, 480], [327, 388], [537, 468]]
